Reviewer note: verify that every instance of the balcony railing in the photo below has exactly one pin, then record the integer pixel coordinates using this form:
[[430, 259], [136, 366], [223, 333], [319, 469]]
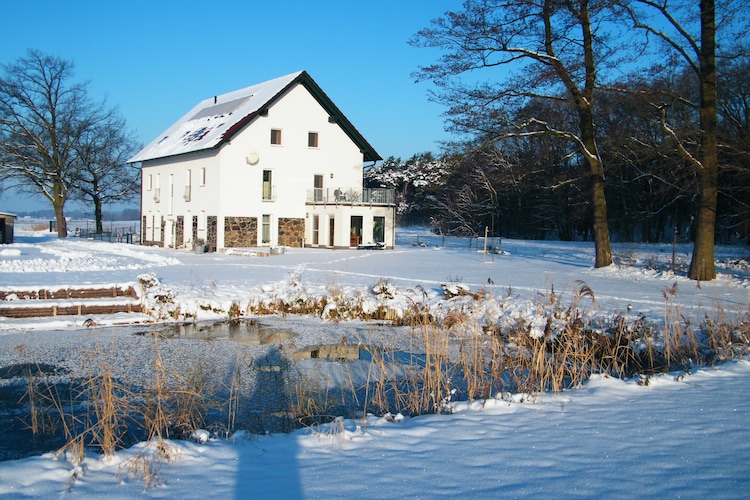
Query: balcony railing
[[269, 193], [351, 196]]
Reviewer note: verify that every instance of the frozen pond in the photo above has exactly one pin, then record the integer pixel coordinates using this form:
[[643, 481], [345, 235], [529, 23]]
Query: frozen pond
[[253, 363]]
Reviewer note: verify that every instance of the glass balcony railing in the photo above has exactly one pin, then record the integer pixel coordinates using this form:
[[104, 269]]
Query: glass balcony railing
[[351, 196]]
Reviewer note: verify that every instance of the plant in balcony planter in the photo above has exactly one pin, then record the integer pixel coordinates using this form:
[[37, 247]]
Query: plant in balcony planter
[[199, 245]]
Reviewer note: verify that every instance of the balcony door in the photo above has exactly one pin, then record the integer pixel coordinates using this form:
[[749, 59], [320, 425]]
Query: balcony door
[[318, 187]]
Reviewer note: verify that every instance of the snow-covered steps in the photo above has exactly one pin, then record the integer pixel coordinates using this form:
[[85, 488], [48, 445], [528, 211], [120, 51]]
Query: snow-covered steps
[[34, 302]]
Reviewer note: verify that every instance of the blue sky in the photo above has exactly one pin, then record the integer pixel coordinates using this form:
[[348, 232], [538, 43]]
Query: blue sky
[[156, 59]]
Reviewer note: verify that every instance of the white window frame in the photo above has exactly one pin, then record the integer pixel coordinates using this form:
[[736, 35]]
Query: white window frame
[[279, 137], [310, 135]]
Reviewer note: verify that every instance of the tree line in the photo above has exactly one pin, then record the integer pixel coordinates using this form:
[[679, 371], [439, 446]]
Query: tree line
[[579, 114], [57, 141]]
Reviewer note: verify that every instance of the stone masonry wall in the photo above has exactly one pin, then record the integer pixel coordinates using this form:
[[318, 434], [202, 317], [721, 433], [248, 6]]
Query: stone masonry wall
[[240, 232], [211, 227], [179, 231], [291, 232]]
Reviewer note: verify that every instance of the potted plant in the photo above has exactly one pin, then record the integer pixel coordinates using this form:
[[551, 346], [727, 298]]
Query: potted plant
[[199, 245]]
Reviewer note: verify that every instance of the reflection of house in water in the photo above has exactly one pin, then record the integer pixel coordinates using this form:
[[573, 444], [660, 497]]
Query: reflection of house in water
[[6, 227], [274, 164]]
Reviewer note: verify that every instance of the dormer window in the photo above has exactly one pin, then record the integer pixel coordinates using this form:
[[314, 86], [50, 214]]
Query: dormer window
[[276, 137], [312, 140]]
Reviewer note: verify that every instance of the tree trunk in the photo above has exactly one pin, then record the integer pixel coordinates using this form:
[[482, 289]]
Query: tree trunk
[[702, 266], [585, 105], [58, 203], [98, 215], [600, 226]]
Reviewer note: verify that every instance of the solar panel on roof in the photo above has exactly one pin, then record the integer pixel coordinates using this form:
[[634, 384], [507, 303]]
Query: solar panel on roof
[[221, 108]]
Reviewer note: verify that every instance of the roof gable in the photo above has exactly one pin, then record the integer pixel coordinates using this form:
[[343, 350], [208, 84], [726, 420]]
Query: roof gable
[[215, 120]]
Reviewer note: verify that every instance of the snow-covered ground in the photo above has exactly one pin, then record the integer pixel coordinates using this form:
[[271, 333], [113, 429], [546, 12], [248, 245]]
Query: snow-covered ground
[[678, 437]]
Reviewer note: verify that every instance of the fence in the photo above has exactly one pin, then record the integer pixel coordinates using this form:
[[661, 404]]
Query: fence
[[113, 232]]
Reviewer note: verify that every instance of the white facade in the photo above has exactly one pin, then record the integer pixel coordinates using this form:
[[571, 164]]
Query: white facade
[[238, 171]]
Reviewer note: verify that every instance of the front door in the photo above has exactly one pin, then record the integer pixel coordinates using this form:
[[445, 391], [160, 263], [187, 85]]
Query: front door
[[331, 226], [355, 231], [378, 229]]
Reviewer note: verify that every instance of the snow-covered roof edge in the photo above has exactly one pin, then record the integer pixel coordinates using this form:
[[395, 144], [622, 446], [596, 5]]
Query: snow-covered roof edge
[[216, 120]]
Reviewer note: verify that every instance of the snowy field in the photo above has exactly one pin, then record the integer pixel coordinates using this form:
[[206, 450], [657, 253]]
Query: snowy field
[[679, 437]]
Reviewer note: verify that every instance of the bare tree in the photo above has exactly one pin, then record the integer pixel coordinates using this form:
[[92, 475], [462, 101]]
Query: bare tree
[[104, 175], [536, 49], [688, 29], [43, 119]]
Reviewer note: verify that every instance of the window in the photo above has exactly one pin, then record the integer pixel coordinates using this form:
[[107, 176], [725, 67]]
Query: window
[[203, 176], [318, 187], [188, 185], [170, 194], [276, 137], [315, 229], [150, 182], [312, 139], [265, 233], [267, 186], [157, 189]]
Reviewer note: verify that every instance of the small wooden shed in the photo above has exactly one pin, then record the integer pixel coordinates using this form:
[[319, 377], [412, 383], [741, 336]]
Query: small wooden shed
[[6, 227]]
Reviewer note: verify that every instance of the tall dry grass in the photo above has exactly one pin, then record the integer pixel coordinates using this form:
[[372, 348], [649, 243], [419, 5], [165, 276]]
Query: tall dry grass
[[453, 356]]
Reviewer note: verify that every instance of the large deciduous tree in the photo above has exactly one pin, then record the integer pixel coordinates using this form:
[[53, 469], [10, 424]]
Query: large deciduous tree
[[529, 50], [688, 31], [104, 175], [53, 138]]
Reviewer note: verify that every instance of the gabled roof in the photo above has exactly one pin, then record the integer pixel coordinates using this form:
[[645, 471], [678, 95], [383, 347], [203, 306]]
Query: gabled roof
[[214, 121]]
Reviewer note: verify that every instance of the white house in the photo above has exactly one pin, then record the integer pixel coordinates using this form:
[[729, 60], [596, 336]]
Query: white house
[[274, 164]]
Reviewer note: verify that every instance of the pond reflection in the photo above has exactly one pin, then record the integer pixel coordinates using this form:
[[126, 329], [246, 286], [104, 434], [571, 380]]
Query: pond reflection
[[248, 332]]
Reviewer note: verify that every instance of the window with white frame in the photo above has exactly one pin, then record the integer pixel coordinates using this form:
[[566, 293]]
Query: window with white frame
[[267, 185], [265, 233], [188, 185], [276, 137], [157, 189], [312, 140]]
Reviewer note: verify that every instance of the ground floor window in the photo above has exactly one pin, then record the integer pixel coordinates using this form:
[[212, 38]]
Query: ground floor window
[[315, 229], [265, 233]]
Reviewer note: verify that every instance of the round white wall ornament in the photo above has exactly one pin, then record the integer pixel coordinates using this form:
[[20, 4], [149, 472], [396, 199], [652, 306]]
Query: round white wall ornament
[[252, 157]]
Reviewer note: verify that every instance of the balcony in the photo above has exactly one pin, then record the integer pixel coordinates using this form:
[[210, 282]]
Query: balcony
[[351, 196], [269, 192]]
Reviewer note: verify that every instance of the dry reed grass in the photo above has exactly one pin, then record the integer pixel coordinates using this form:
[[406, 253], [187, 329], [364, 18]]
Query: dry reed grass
[[452, 357]]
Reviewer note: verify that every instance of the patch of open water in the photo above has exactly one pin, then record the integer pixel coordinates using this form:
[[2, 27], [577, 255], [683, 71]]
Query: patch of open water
[[269, 357]]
